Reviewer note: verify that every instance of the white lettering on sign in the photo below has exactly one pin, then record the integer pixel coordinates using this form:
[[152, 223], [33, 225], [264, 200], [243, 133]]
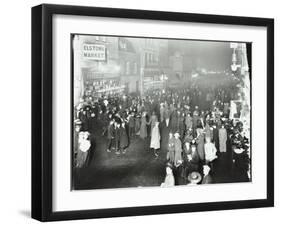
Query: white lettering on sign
[[94, 52]]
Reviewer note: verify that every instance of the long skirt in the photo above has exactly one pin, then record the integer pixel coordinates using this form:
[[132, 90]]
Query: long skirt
[[178, 156], [171, 156], [81, 158], [222, 146], [143, 131]]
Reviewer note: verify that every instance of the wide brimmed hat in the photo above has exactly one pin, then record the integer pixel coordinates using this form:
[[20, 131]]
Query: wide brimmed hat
[[194, 177], [238, 150], [77, 122]]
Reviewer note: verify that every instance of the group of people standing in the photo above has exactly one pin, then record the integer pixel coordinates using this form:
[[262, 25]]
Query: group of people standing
[[188, 133]]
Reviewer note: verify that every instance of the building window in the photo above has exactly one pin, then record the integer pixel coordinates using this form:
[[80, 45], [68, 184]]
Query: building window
[[150, 57], [156, 58], [127, 68]]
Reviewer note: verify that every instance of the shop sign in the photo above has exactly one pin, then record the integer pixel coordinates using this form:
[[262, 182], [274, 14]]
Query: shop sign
[[94, 52]]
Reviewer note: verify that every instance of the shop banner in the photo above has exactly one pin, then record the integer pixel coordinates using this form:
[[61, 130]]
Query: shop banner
[[94, 52]]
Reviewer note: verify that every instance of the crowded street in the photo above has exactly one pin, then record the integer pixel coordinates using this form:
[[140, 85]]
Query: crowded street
[[174, 127]]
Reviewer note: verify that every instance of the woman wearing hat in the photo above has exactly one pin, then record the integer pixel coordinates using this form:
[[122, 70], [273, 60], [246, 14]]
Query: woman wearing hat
[[169, 179]]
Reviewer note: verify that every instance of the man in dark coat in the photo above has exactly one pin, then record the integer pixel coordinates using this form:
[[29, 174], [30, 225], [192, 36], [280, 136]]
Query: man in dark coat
[[131, 124], [200, 140], [192, 160], [216, 136], [124, 141], [84, 120], [110, 135], [195, 120], [117, 137], [77, 124], [165, 129]]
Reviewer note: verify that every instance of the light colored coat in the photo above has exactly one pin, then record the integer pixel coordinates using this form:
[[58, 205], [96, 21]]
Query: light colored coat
[[143, 128], [155, 137], [178, 150], [222, 139], [169, 181], [210, 152]]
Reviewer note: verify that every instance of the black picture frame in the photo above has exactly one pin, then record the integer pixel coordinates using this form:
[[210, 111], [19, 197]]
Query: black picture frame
[[42, 107]]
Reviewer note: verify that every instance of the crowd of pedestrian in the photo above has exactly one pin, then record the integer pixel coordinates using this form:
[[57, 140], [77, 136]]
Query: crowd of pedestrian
[[191, 126]]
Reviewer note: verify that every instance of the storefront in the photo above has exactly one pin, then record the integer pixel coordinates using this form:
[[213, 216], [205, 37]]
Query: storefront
[[97, 84]]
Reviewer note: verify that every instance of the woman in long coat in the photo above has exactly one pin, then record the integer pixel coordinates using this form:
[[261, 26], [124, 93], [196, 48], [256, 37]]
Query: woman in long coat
[[153, 120], [174, 121], [188, 121], [84, 147], [169, 179], [171, 148], [222, 139], [200, 145], [143, 127], [162, 111], [181, 125], [155, 138], [216, 136], [124, 140], [209, 131], [178, 149], [137, 124]]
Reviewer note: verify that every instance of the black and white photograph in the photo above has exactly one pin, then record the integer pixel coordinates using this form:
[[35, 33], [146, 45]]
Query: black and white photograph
[[159, 112], [143, 111]]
